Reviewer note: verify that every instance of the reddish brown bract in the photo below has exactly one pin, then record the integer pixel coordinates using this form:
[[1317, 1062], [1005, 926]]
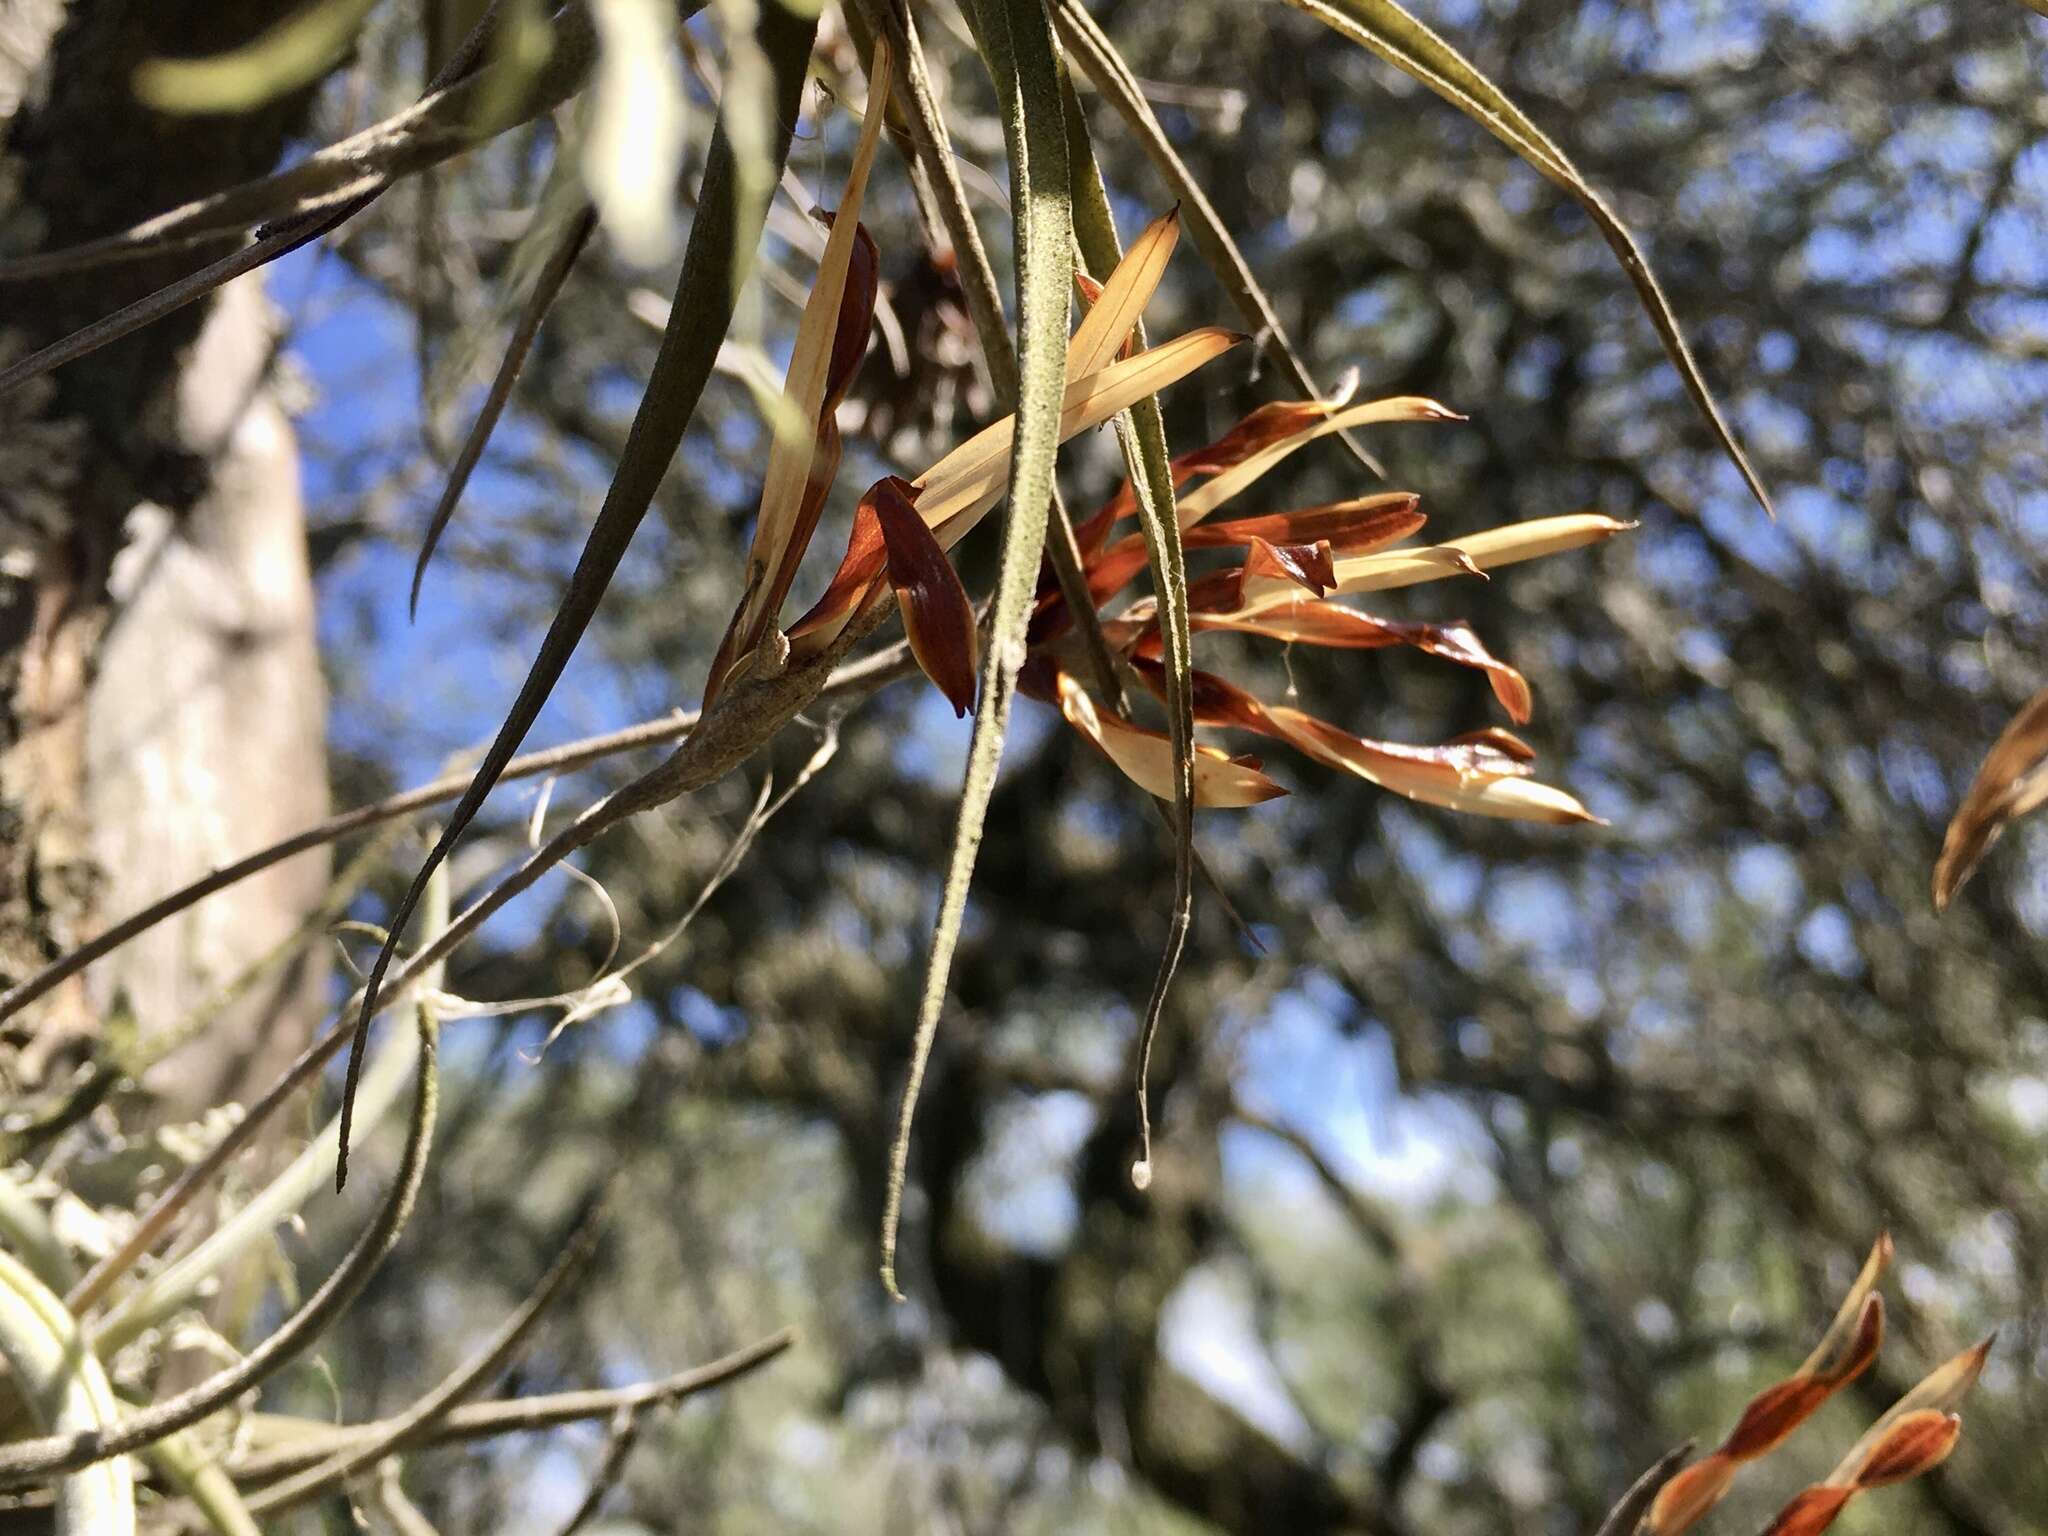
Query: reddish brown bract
[[937, 617]]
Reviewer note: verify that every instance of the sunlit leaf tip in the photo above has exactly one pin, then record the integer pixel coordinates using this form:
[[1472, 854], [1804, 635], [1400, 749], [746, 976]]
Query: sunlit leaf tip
[[1916, 1435], [1146, 757], [831, 337], [2012, 782]]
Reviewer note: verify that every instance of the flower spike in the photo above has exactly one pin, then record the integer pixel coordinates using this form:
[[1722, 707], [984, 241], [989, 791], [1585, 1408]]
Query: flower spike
[[1845, 1352]]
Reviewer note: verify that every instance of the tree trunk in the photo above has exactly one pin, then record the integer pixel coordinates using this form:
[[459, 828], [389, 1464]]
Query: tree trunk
[[161, 705]]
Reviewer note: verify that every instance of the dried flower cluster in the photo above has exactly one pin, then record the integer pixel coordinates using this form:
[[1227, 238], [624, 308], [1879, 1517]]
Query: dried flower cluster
[[1290, 567], [1914, 1436]]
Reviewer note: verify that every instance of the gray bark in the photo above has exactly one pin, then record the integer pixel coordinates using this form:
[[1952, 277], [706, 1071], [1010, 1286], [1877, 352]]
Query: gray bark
[[160, 695]]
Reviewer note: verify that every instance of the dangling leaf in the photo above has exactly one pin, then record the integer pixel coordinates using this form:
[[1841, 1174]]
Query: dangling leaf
[[936, 613], [1396, 35], [2012, 782], [1017, 45], [716, 263], [1141, 434]]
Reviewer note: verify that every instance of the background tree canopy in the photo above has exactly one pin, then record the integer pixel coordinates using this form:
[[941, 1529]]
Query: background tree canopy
[[1492, 1160]]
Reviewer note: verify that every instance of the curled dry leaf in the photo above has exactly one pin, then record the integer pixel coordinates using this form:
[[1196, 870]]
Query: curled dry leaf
[[1481, 774], [1845, 1351], [1477, 553], [1232, 474], [1347, 527], [1146, 757], [1312, 567], [1351, 527], [2012, 782], [1342, 628], [1505, 742], [1478, 779], [1256, 444], [937, 616], [1914, 1436]]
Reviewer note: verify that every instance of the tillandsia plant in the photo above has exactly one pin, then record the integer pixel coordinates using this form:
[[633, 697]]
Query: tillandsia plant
[[1059, 626], [1914, 1436], [1289, 566]]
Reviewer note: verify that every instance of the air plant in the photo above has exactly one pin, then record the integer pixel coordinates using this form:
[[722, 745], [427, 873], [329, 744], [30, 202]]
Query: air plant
[[1290, 567], [1915, 1435]]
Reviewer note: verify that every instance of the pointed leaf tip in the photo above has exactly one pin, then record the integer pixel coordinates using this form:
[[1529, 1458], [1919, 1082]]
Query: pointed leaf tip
[[2012, 782], [1146, 757]]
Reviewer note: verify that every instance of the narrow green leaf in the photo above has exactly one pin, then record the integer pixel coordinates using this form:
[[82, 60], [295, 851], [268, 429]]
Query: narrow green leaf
[[1390, 31], [930, 143], [1142, 433], [1017, 45], [1107, 71], [568, 245], [290, 55], [716, 263]]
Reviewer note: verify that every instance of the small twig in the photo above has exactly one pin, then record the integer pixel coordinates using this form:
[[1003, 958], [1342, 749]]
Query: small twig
[[451, 1389], [32, 1460], [524, 1415], [272, 241], [174, 296], [441, 124], [277, 1199], [625, 1430], [1370, 1224], [852, 680], [404, 1515]]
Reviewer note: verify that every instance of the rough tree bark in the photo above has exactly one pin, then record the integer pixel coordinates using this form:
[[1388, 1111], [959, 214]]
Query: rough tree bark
[[160, 695]]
